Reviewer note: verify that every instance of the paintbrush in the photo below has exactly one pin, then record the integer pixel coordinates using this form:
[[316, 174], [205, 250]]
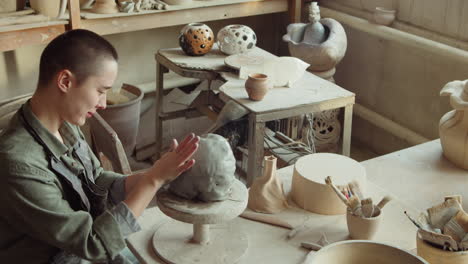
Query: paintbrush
[[355, 189], [384, 201], [412, 220], [355, 205], [367, 207], [329, 182]]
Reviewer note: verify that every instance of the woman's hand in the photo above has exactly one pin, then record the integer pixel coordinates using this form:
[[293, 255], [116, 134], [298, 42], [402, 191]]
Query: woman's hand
[[176, 161]]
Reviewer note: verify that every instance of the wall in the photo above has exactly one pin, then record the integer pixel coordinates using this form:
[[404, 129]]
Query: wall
[[396, 80], [19, 68]]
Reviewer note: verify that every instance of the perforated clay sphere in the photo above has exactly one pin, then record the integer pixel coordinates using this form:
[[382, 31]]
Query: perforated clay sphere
[[234, 39], [196, 39]]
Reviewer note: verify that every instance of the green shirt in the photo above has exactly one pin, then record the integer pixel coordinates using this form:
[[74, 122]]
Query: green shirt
[[39, 209]]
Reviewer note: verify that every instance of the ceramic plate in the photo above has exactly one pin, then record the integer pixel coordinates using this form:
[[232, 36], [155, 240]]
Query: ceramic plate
[[244, 59]]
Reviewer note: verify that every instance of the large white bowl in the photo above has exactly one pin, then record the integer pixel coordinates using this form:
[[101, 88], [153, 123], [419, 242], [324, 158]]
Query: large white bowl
[[363, 251]]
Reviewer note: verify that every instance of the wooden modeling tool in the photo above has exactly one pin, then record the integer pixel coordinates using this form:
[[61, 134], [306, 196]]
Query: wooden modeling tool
[[355, 205], [355, 189], [311, 246], [343, 198], [367, 207], [384, 201], [266, 219]]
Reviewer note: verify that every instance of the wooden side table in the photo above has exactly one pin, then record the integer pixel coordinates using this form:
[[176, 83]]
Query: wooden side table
[[309, 94]]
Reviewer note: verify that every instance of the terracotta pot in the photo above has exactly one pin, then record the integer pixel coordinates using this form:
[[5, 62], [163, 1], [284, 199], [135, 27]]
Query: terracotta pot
[[50, 8], [384, 16], [257, 86], [234, 39], [105, 7], [196, 39], [363, 228]]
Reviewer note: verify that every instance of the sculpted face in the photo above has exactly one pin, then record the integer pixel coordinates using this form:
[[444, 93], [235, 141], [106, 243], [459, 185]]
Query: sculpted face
[[212, 176], [84, 98]]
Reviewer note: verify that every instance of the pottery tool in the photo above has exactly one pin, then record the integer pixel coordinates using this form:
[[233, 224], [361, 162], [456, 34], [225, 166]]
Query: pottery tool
[[266, 219], [355, 189], [454, 229], [230, 112], [367, 207], [355, 205], [456, 197], [311, 246], [383, 202], [412, 220], [343, 198], [440, 214]]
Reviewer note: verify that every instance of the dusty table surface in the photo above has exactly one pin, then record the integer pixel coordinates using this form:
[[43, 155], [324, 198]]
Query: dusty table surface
[[268, 244], [420, 176]]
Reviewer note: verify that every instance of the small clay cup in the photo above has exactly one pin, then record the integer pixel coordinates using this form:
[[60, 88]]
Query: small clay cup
[[363, 228], [384, 16], [257, 86]]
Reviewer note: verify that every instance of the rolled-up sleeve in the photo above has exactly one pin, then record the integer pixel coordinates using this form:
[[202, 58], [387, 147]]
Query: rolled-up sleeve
[[33, 201]]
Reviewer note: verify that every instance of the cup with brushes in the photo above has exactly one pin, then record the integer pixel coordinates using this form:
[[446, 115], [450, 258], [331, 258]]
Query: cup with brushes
[[442, 235], [363, 217]]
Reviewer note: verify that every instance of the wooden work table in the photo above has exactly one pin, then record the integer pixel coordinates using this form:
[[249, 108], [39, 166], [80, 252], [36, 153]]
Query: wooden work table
[[417, 178]]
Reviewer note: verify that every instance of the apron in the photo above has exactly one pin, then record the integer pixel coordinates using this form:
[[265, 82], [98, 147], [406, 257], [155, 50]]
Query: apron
[[93, 197]]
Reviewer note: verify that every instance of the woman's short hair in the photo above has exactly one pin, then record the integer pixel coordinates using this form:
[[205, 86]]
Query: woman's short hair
[[79, 51]]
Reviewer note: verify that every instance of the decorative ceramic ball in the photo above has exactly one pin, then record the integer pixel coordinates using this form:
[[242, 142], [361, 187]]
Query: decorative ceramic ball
[[196, 39], [234, 39]]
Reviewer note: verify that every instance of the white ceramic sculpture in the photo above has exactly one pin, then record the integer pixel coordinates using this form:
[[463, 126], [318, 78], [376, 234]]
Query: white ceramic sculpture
[[234, 39], [453, 126], [321, 49], [211, 177]]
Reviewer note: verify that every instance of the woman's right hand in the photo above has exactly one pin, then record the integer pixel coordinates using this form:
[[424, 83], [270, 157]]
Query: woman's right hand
[[176, 161]]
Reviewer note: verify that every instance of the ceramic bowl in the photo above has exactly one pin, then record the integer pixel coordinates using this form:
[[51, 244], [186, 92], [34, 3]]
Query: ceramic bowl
[[362, 251], [384, 16]]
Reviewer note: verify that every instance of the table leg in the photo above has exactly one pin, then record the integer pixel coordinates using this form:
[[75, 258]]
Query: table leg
[[347, 125], [160, 69], [256, 151]]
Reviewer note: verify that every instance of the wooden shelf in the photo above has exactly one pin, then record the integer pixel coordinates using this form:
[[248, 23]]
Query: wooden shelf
[[179, 15]]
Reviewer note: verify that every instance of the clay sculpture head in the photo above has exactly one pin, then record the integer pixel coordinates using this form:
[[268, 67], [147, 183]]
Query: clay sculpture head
[[211, 177]]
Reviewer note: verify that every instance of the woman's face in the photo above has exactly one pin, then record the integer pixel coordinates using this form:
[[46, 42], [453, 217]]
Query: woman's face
[[89, 95]]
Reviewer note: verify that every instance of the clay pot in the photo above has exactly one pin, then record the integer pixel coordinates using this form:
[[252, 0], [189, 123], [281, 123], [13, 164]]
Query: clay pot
[[196, 39], [384, 16], [50, 8], [124, 117], [437, 255], [257, 86], [363, 228], [234, 39], [105, 7]]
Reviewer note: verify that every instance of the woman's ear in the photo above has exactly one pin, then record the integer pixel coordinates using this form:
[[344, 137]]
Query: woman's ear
[[65, 80]]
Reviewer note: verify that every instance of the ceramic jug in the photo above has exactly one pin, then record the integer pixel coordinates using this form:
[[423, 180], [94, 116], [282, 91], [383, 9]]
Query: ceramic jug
[[453, 126], [257, 86], [196, 39]]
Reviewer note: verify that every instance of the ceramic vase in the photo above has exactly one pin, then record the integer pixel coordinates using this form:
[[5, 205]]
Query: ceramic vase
[[196, 39], [105, 7], [257, 86], [453, 126], [266, 194], [50, 8], [234, 39], [384, 16]]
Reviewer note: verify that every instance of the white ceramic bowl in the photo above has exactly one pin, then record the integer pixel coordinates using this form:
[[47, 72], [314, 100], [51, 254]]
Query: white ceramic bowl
[[384, 16], [363, 251]]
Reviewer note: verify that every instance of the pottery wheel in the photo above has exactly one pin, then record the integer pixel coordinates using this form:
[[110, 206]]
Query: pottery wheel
[[197, 238]]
